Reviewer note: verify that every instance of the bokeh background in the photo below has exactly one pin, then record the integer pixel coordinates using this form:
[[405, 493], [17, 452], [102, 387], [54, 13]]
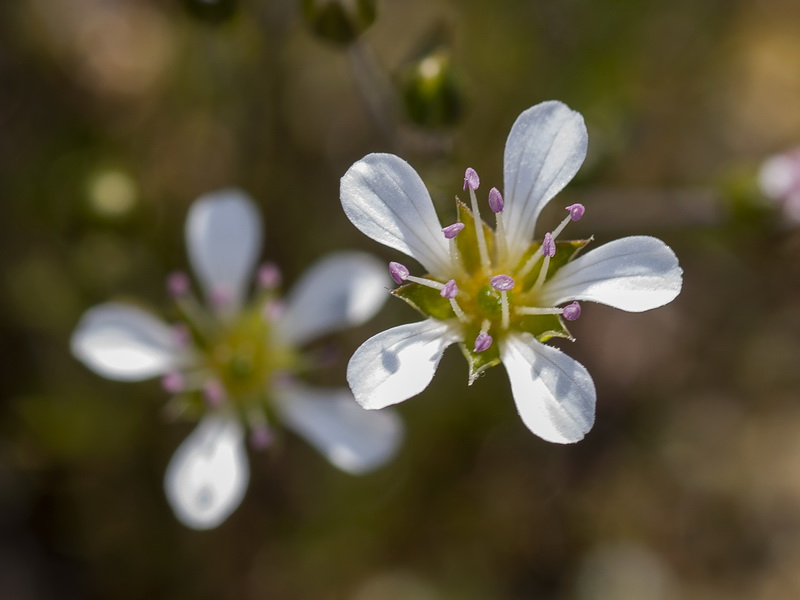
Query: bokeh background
[[116, 114]]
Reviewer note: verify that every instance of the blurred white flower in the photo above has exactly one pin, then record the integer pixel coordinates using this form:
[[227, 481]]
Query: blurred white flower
[[495, 292], [779, 180], [232, 366]]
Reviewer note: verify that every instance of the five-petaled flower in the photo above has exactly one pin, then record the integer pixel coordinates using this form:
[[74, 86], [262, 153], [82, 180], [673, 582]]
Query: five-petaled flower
[[495, 292], [234, 366]]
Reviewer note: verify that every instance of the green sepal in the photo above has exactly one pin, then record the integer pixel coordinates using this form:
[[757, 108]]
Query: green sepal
[[479, 362], [543, 327], [466, 240], [426, 300], [566, 251]]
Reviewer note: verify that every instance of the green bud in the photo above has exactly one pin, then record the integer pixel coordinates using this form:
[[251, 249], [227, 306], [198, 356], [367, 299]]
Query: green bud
[[212, 11], [339, 21], [432, 92]]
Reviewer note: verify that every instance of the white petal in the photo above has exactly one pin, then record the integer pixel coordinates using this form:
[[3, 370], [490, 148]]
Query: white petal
[[126, 343], [342, 290], [223, 238], [386, 199], [779, 175], [544, 150], [554, 394], [634, 273], [353, 439], [208, 474], [398, 363]]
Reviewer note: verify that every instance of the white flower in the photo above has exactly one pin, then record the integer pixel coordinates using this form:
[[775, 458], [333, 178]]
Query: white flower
[[779, 180], [498, 293], [232, 367]]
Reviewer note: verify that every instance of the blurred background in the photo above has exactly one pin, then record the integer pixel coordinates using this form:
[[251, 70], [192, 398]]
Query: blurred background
[[116, 114]]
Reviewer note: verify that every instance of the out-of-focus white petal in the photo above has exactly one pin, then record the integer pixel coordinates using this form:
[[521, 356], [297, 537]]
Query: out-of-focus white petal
[[398, 363], [386, 199], [207, 476], [353, 439], [223, 239], [339, 291], [544, 150], [554, 394], [635, 273], [126, 343], [779, 175]]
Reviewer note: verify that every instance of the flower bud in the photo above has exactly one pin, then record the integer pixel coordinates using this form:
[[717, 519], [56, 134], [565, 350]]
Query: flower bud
[[432, 93], [211, 11], [339, 21]]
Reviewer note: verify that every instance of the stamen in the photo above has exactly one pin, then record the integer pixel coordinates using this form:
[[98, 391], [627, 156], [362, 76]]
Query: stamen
[[261, 436], [214, 393], [173, 383], [178, 284], [576, 211], [181, 334], [269, 276], [472, 181], [535, 310], [484, 340], [548, 246], [455, 257], [548, 251], [572, 311], [453, 230], [398, 272], [198, 318], [450, 289], [503, 283], [457, 309], [427, 282], [496, 203], [272, 311], [532, 262], [220, 298]]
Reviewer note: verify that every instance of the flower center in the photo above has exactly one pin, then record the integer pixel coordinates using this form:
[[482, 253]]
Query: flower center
[[492, 291], [237, 357], [245, 357]]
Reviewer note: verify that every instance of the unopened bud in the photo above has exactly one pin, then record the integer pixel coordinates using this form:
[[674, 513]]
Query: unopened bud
[[339, 21], [432, 93]]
